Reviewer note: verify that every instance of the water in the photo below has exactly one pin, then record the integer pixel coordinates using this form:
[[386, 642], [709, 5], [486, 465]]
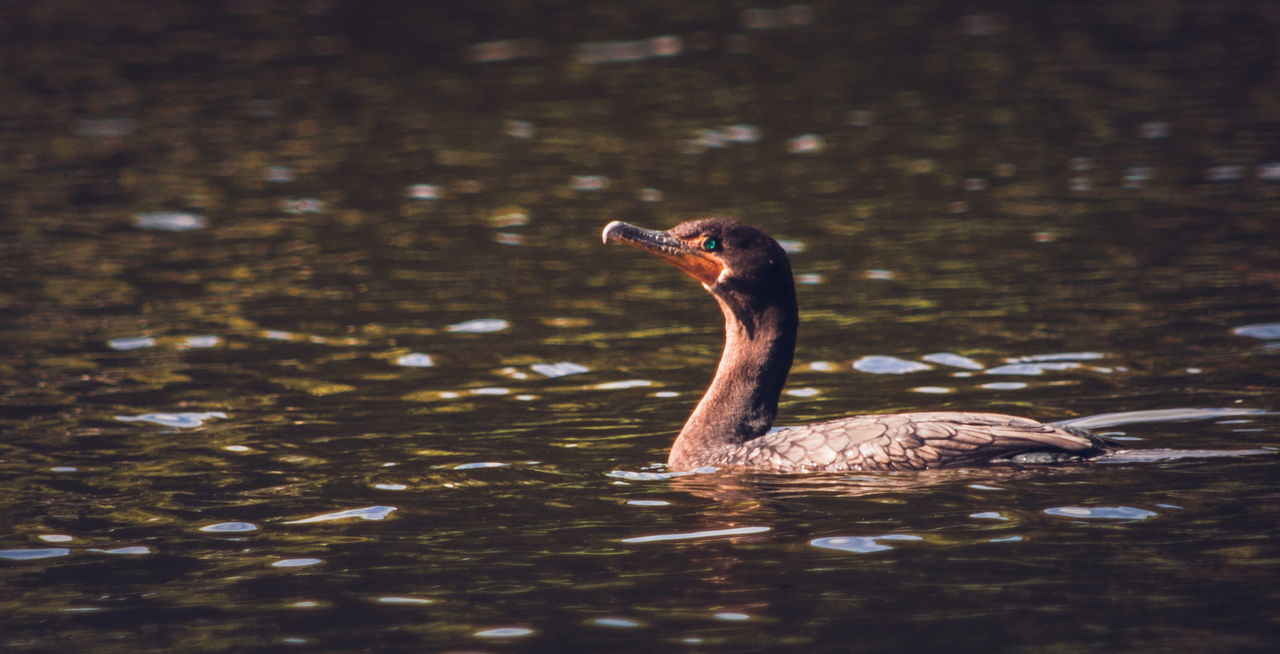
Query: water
[[309, 339]]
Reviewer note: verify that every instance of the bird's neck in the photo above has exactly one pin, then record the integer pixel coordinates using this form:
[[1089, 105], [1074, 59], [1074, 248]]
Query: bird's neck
[[742, 401]]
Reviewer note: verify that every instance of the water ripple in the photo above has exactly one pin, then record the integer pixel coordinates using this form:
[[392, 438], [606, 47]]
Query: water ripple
[[133, 550], [170, 221], [504, 632], [989, 515], [759, 18], [295, 563], [229, 527], [479, 326], [1101, 512], [1032, 369], [806, 144], [480, 465], [1267, 331], [394, 599], [424, 192], [878, 364], [365, 513], [952, 360], [622, 623], [630, 475], [624, 384], [175, 420], [202, 341], [860, 544], [696, 535], [106, 127], [415, 360], [1059, 356], [28, 554], [612, 52], [131, 343], [933, 390], [559, 369]]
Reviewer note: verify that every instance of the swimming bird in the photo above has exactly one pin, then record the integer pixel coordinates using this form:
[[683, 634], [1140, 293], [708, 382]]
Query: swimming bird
[[749, 275]]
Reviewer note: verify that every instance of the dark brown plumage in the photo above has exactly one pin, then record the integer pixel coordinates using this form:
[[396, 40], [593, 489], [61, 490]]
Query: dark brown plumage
[[749, 275]]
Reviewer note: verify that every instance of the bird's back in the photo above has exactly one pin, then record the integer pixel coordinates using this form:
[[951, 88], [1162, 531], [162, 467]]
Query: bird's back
[[905, 441]]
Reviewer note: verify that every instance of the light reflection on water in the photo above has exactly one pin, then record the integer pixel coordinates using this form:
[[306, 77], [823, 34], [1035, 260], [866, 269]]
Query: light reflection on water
[[353, 261], [861, 544]]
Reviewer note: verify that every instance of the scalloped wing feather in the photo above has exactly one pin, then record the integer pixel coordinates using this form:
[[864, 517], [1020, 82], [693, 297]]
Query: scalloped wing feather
[[905, 441]]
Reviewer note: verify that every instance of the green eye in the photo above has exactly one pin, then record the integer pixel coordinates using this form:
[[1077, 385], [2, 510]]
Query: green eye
[[711, 244]]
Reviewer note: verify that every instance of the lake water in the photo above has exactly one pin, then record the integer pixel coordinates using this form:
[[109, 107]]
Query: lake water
[[309, 340]]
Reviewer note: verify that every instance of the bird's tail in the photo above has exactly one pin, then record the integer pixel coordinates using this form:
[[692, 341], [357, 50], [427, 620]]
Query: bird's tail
[[1103, 420]]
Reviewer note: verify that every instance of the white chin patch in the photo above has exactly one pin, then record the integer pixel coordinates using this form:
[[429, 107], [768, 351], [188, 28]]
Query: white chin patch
[[719, 278]]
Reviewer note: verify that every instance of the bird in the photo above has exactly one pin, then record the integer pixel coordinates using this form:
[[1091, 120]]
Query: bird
[[749, 275]]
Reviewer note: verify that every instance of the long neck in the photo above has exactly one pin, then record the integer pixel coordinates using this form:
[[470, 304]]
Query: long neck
[[760, 339]]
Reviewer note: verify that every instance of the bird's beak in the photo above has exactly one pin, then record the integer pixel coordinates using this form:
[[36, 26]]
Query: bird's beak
[[681, 254]]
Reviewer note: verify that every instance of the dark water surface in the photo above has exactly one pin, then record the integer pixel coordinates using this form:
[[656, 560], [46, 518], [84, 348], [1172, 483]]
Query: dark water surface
[[308, 339]]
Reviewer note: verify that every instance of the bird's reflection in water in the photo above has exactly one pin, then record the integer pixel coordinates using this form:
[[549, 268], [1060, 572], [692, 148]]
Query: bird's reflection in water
[[741, 486], [742, 524]]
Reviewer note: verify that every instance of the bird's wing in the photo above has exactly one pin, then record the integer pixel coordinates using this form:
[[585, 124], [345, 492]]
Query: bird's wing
[[906, 441]]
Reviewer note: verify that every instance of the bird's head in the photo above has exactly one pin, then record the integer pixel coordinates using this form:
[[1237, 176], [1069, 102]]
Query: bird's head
[[719, 252]]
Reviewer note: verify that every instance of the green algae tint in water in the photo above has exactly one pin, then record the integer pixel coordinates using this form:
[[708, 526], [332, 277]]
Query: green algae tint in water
[[309, 339]]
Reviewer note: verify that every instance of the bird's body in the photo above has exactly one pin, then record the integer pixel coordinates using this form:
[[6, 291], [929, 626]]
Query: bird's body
[[749, 275], [898, 441]]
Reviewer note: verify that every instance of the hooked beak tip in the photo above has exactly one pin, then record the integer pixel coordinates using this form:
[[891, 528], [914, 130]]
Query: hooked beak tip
[[609, 230]]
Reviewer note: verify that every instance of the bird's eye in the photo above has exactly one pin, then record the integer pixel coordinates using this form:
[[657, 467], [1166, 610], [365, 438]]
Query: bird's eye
[[711, 244]]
